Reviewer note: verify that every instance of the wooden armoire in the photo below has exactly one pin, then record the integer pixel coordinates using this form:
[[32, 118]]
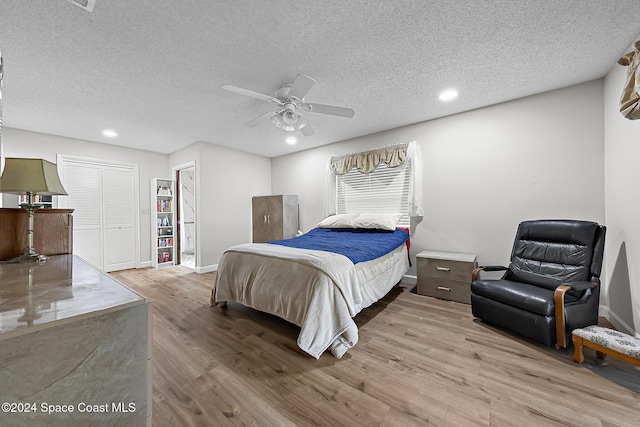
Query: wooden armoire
[[274, 217]]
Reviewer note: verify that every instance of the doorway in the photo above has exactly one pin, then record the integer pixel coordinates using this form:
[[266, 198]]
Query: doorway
[[186, 186]]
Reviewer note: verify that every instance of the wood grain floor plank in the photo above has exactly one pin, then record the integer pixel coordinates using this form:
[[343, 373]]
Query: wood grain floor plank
[[419, 361]]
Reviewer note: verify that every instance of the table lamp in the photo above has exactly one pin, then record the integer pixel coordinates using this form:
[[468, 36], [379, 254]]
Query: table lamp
[[31, 177]]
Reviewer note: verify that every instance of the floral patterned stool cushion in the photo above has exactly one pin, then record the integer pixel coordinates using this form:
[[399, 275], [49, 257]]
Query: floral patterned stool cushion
[[606, 341]]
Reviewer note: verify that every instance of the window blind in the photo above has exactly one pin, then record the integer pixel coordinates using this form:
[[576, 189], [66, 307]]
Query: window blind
[[385, 189]]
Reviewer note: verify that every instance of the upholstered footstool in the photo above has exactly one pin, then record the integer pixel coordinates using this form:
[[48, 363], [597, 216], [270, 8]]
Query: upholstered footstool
[[606, 341]]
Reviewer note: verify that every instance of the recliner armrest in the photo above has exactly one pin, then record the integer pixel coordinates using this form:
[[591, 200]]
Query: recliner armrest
[[581, 286], [558, 300], [476, 271], [494, 267]]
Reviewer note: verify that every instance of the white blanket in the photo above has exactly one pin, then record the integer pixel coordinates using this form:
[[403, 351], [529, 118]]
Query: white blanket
[[316, 290]]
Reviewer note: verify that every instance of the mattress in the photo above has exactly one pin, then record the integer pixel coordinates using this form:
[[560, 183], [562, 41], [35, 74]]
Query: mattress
[[377, 277]]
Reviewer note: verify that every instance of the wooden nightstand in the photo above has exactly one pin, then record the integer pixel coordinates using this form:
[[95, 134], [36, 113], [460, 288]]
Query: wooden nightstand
[[445, 275]]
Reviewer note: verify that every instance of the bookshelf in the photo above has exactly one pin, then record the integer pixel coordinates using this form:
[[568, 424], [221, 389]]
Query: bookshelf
[[162, 222]]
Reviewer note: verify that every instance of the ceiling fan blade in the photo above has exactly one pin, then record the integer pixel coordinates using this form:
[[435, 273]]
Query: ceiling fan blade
[[329, 109], [306, 129], [301, 85], [247, 92], [255, 121]]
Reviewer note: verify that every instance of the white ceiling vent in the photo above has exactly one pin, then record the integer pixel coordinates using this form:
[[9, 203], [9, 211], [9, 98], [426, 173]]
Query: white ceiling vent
[[84, 4]]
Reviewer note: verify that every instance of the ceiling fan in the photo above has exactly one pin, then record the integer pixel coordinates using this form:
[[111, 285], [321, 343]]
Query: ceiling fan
[[289, 101]]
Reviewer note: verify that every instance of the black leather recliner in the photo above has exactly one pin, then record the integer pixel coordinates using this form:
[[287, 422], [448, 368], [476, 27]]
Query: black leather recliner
[[551, 286]]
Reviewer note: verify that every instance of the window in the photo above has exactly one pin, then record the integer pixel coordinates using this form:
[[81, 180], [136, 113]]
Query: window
[[379, 187], [386, 189]]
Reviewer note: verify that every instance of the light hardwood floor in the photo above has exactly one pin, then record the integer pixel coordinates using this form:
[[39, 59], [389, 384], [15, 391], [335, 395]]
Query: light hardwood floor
[[420, 361]]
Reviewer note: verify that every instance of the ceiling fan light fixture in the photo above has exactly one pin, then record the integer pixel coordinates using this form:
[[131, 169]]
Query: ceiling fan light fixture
[[289, 116], [276, 120], [281, 123]]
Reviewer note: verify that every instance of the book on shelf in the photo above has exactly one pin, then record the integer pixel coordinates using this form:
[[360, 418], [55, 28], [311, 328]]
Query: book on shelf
[[164, 257], [164, 206]]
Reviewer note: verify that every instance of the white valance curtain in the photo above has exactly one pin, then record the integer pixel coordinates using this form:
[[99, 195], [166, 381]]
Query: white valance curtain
[[367, 161]]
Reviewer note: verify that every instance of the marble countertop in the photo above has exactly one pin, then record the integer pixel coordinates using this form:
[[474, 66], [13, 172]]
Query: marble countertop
[[35, 296]]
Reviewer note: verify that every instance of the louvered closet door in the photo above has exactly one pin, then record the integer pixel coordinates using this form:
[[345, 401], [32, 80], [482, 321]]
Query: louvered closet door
[[83, 184], [119, 227], [103, 198]]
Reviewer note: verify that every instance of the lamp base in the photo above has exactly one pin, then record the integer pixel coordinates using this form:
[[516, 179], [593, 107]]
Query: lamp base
[[28, 257], [30, 254]]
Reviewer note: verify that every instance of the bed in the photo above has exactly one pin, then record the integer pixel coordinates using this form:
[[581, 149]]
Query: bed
[[319, 280]]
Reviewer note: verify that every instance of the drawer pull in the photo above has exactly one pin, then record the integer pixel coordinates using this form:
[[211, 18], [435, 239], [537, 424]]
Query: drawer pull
[[443, 269], [443, 288]]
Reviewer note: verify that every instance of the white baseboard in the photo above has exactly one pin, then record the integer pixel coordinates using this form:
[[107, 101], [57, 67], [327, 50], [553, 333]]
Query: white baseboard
[[617, 321], [207, 269], [199, 270]]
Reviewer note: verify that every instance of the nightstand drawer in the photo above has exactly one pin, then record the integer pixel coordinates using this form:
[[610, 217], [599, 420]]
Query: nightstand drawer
[[446, 269], [445, 289], [445, 275]]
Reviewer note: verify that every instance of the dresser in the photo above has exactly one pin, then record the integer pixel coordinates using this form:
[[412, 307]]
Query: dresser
[[75, 341], [274, 217], [52, 232], [445, 275]]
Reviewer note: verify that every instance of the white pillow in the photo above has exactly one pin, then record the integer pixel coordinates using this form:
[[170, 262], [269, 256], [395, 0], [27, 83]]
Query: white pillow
[[378, 220], [338, 221]]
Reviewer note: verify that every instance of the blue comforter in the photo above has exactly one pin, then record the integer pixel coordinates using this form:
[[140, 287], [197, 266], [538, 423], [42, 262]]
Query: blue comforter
[[358, 245]]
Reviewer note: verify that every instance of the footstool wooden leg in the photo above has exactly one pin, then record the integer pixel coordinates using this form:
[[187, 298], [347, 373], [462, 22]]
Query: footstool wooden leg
[[578, 356], [605, 342]]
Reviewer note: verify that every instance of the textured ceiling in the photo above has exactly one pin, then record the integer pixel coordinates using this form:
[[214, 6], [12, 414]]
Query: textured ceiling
[[152, 69]]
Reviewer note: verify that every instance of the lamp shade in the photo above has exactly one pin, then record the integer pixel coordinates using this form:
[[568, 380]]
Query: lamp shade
[[36, 176]]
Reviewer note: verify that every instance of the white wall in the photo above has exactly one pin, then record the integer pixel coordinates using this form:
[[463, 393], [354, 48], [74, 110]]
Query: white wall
[[621, 292], [21, 143], [484, 170], [226, 179]]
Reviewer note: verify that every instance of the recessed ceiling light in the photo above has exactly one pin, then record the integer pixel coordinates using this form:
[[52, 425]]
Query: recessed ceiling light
[[291, 140], [448, 95], [109, 133]]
